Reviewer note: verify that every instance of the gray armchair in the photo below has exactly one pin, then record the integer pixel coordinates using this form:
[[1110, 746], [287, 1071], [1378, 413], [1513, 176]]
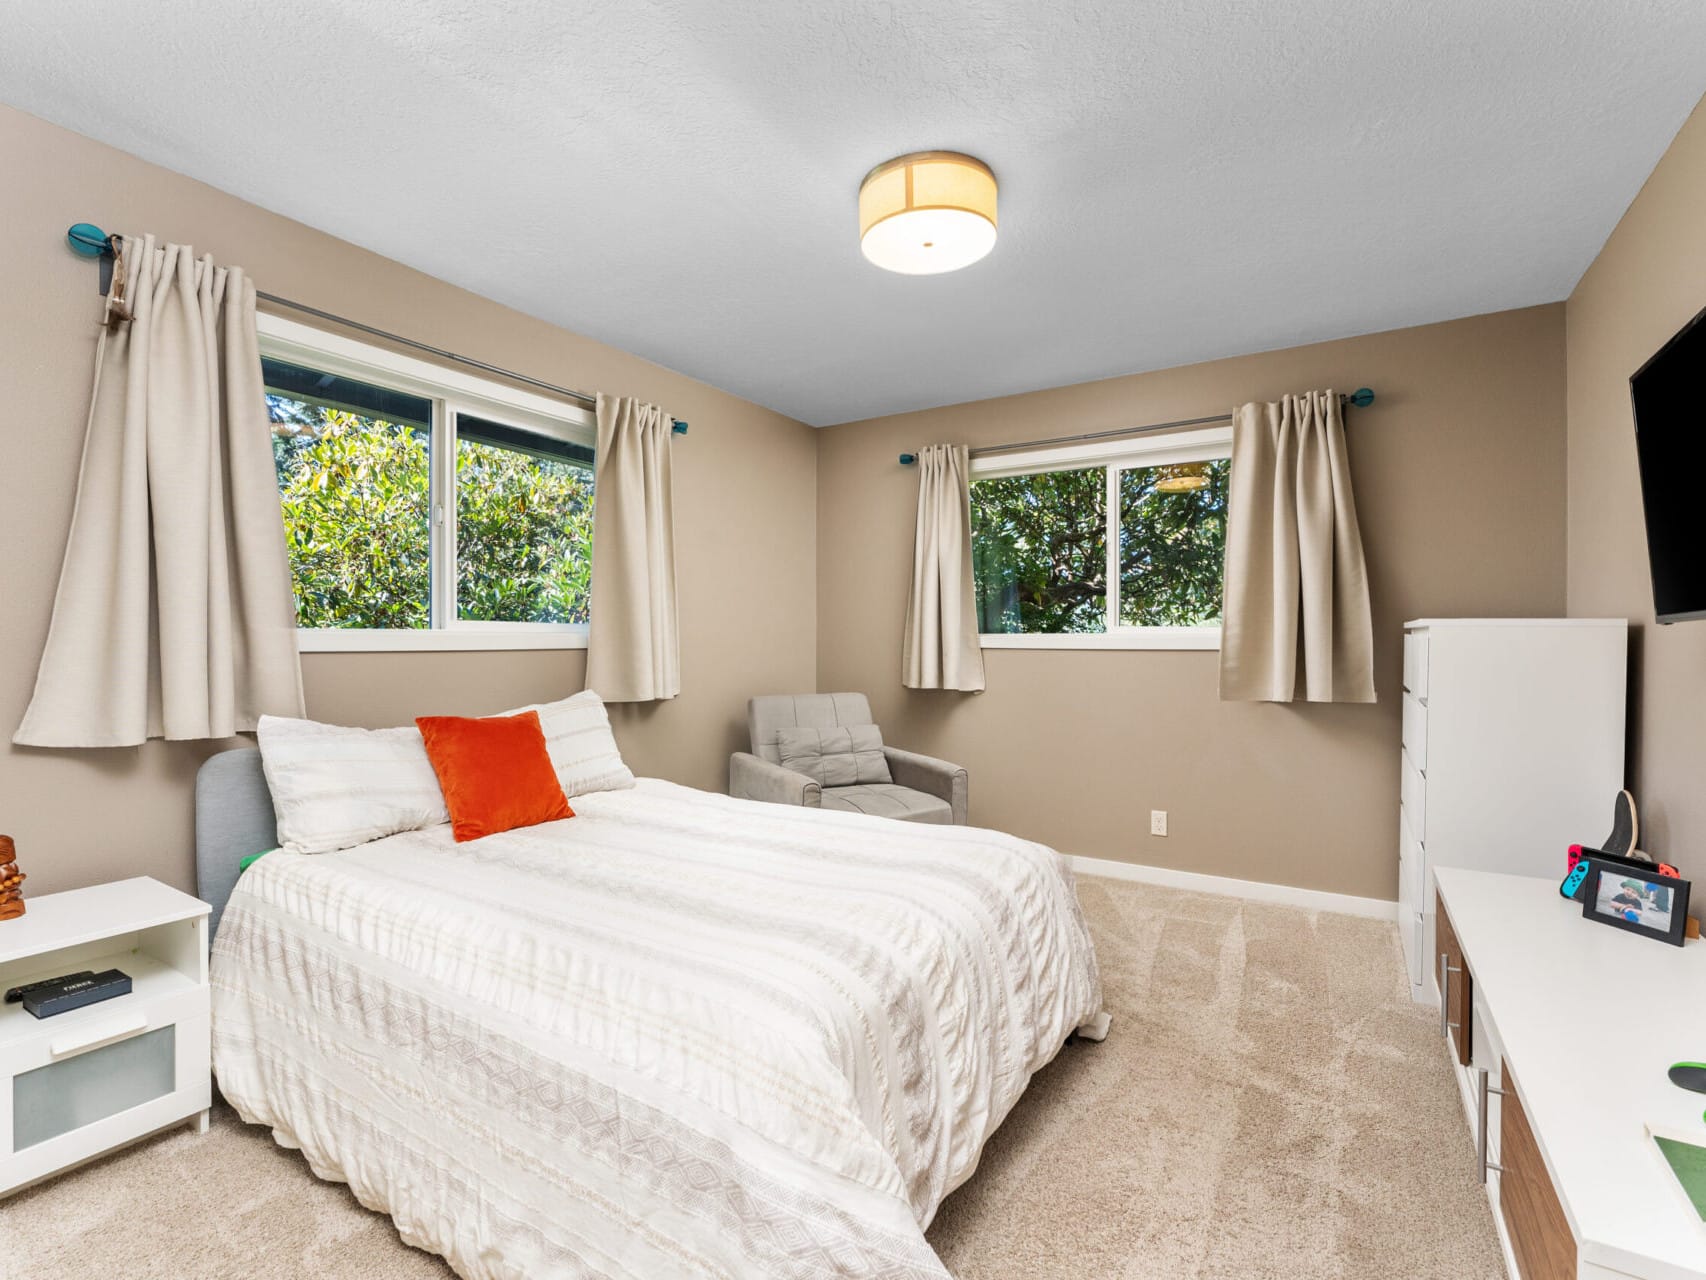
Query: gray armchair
[[923, 789]]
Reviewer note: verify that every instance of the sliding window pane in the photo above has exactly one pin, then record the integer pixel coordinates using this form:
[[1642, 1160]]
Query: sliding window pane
[[523, 525], [1040, 552], [354, 466], [1172, 547]]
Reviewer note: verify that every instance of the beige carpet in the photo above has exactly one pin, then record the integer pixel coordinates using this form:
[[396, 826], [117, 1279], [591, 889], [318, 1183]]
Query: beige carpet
[[1269, 1104]]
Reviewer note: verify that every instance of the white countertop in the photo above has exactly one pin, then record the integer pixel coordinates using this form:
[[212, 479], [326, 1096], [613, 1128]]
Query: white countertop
[[1591, 1018]]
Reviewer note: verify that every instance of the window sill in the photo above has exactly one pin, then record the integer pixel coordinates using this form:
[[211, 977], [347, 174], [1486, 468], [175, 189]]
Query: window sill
[[1129, 638], [518, 636]]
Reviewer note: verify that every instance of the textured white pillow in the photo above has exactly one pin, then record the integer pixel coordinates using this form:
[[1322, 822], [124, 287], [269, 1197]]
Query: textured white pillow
[[583, 750], [335, 787]]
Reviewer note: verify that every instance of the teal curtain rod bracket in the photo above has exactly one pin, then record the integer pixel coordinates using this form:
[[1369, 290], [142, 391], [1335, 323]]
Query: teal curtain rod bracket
[[680, 427], [88, 240]]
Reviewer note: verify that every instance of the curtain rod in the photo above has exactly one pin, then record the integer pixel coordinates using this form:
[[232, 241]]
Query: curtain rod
[[91, 242], [1362, 397]]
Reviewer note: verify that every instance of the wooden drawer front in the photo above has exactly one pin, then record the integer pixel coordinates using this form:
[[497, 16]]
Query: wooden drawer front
[[1416, 732], [1413, 795], [1539, 1231], [1416, 663], [1459, 993]]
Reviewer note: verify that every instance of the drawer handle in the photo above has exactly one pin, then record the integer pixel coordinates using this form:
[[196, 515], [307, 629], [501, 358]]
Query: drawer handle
[[95, 1037], [1481, 1124], [1446, 969]]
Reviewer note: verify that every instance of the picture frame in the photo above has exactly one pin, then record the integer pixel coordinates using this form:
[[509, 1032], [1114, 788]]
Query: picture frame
[[1636, 901]]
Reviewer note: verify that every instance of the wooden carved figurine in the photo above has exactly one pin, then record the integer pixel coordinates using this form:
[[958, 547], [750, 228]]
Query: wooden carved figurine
[[11, 895]]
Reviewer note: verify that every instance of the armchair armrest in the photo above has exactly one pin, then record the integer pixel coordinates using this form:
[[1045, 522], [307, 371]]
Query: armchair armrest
[[934, 777], [754, 778]]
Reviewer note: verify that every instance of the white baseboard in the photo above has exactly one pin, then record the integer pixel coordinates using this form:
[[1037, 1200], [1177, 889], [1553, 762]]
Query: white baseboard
[[1255, 890]]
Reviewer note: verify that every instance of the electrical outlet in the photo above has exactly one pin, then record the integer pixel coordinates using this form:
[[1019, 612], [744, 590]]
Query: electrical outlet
[[1157, 822]]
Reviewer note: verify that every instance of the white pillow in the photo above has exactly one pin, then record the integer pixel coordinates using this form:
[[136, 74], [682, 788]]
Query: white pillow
[[583, 750], [335, 787]]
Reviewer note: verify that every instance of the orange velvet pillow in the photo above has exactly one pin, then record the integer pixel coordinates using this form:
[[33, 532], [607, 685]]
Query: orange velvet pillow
[[495, 773]]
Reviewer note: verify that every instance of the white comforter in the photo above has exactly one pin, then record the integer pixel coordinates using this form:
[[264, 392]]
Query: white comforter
[[676, 1035]]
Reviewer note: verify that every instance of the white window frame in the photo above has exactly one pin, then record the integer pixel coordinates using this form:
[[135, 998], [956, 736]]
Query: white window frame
[[452, 392], [1207, 445]]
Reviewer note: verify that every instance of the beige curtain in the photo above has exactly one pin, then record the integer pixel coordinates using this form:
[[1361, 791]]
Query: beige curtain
[[940, 649], [174, 616], [1296, 594], [634, 648]]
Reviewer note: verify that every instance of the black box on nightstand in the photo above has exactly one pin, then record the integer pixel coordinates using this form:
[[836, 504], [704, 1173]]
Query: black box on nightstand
[[75, 992]]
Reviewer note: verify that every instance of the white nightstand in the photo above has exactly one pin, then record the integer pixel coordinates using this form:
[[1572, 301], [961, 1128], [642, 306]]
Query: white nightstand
[[78, 1084]]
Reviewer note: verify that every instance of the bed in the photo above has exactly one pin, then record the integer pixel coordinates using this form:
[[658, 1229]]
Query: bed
[[677, 1035]]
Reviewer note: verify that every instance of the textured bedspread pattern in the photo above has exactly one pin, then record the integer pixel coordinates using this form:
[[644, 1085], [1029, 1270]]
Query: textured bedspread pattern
[[677, 1035]]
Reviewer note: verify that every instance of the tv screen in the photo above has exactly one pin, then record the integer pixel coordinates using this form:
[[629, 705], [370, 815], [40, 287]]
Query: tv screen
[[1669, 392]]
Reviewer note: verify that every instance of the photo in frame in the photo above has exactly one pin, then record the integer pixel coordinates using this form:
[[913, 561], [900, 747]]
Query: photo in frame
[[1643, 902]]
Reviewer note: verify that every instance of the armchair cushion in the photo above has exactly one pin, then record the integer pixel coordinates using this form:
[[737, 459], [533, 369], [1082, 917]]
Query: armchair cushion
[[888, 800], [842, 757]]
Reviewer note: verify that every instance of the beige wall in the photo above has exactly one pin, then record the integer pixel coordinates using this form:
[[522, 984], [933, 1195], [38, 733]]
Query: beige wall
[[1459, 471], [1459, 474], [1647, 282], [745, 494]]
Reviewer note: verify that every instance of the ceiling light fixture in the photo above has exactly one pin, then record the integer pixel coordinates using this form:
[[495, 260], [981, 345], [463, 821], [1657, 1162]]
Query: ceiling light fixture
[[927, 212]]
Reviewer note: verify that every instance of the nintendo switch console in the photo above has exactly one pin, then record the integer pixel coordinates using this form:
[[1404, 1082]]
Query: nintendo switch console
[[1578, 869]]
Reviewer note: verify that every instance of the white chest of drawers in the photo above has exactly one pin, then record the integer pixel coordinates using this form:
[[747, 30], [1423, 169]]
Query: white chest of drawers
[[1513, 733]]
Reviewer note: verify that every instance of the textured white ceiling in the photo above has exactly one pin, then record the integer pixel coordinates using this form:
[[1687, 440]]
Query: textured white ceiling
[[1180, 179]]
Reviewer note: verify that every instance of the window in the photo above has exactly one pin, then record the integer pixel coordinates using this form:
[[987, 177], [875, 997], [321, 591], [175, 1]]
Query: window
[[425, 508], [1079, 547]]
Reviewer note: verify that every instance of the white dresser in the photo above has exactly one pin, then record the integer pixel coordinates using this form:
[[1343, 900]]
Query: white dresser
[[1512, 751]]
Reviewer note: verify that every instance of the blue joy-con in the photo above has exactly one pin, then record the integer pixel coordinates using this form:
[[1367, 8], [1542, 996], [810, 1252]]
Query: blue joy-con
[[1573, 882]]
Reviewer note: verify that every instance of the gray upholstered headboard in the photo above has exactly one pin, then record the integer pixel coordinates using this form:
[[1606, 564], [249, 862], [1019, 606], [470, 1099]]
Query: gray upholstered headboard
[[233, 818]]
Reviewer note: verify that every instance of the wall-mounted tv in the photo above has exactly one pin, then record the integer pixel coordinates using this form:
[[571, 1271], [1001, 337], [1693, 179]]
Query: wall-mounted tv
[[1669, 392]]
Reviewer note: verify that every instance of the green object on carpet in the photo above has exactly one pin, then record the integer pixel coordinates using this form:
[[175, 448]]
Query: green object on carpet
[[1688, 1163], [253, 858]]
